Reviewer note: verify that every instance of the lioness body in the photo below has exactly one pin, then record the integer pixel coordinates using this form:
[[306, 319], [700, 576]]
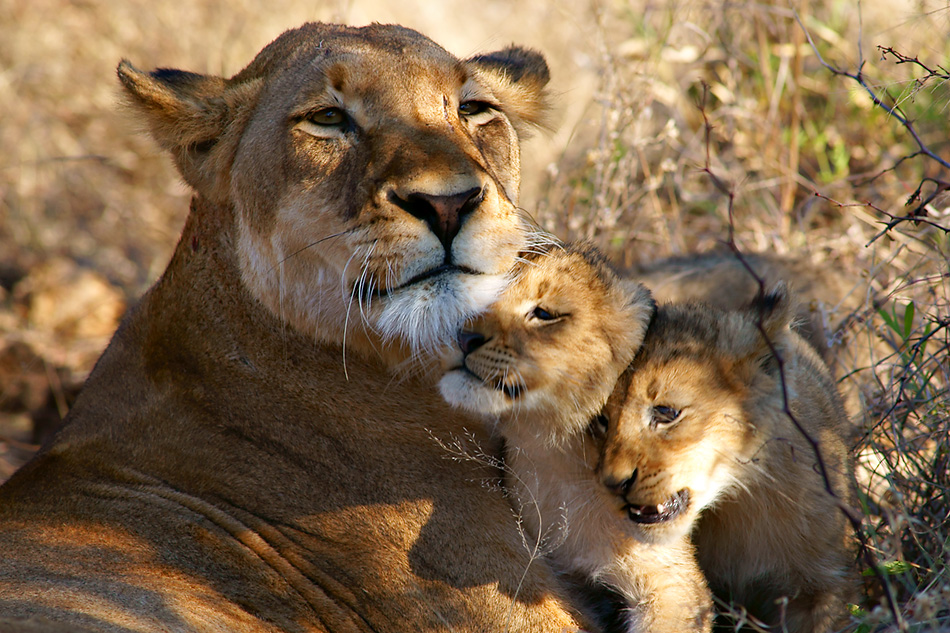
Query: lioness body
[[698, 440], [241, 458], [541, 363]]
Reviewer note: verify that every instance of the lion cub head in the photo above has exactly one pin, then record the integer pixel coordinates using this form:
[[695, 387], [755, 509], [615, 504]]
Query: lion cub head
[[693, 409], [371, 175], [553, 345]]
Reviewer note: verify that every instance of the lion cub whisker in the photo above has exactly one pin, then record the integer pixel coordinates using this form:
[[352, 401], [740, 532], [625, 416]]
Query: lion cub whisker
[[564, 331]]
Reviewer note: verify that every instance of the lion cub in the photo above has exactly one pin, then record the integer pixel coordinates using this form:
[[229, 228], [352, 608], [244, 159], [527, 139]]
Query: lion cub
[[541, 364], [697, 430]]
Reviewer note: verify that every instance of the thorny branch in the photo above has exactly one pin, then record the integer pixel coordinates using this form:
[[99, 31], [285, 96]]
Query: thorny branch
[[884, 100], [853, 517], [894, 219]]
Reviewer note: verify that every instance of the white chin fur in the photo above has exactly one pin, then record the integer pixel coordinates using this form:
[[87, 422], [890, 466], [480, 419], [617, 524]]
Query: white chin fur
[[661, 534], [427, 315], [467, 392]]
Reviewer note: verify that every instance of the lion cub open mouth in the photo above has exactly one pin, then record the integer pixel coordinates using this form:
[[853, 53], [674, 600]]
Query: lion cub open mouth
[[661, 513]]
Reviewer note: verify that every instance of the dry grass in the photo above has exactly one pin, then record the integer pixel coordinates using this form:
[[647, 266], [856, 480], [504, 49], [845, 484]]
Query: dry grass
[[89, 210]]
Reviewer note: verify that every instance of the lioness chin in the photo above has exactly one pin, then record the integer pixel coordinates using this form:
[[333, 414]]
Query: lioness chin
[[709, 432], [240, 458], [539, 365]]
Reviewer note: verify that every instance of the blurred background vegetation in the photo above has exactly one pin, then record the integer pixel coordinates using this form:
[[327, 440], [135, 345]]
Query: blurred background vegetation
[[680, 127]]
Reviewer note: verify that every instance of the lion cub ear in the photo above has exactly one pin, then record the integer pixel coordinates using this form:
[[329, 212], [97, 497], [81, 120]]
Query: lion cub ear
[[187, 114], [771, 314], [517, 76], [640, 305], [637, 311]]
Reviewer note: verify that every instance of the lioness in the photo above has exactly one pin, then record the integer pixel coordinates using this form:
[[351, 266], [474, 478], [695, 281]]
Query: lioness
[[704, 426], [240, 458], [540, 364]]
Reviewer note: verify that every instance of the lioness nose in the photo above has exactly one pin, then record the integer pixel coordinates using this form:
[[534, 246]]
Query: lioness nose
[[619, 486], [470, 341], [443, 214]]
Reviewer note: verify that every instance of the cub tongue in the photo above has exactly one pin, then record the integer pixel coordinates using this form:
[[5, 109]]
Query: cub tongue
[[647, 510]]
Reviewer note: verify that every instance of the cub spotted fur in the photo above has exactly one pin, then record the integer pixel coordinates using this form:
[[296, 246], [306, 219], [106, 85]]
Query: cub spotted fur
[[697, 431], [240, 458], [541, 364]]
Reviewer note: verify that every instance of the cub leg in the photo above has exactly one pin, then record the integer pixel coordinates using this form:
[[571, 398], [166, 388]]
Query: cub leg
[[664, 588]]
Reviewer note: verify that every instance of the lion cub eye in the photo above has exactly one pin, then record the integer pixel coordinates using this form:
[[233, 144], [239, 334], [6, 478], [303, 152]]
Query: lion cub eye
[[601, 421], [472, 108], [541, 314], [664, 415], [328, 117]]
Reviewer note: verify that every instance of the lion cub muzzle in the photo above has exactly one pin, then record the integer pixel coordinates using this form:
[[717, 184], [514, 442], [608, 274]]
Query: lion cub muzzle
[[622, 483], [484, 367]]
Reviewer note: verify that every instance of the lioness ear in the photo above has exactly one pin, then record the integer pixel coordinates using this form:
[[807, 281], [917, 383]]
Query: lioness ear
[[182, 108], [187, 114], [517, 76]]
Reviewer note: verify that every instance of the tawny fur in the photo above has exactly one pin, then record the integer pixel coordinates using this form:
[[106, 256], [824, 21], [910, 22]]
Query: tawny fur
[[702, 409], [241, 458], [825, 312], [552, 347]]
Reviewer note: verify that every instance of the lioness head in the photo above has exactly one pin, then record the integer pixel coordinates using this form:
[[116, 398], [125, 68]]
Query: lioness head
[[554, 343], [691, 411], [372, 175]]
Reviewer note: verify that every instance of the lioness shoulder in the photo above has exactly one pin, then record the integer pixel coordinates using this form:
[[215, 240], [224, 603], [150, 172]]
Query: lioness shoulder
[[709, 431]]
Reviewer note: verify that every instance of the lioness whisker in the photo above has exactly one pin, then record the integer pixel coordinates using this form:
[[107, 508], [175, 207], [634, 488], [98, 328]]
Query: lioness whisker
[[365, 287], [302, 249], [348, 298]]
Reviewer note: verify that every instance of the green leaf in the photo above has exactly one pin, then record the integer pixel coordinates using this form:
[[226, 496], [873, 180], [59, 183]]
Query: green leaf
[[889, 320], [890, 568], [908, 320]]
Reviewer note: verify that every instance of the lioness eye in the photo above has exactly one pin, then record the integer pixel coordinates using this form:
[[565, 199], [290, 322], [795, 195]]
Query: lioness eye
[[471, 108], [542, 314], [664, 415], [328, 116]]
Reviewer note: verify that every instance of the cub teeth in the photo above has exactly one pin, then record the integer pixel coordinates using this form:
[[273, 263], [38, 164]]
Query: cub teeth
[[662, 512]]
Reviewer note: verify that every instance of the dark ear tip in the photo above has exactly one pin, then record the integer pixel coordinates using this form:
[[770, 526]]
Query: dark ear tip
[[769, 301], [519, 62], [125, 71]]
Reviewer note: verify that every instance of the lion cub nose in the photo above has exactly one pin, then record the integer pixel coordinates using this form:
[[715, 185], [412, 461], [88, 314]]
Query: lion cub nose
[[470, 341], [618, 485], [444, 214]]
